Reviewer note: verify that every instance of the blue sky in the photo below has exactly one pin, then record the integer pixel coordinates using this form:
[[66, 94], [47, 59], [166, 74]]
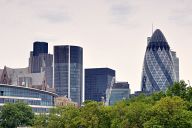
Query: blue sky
[[113, 33]]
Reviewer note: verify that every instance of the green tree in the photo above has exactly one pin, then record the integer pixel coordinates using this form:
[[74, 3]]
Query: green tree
[[63, 117], [170, 112], [16, 114], [94, 115], [178, 89], [189, 94], [131, 115], [41, 121]]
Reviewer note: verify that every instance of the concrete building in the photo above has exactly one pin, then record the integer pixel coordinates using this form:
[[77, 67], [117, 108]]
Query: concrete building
[[22, 77], [64, 101], [176, 64], [41, 61]]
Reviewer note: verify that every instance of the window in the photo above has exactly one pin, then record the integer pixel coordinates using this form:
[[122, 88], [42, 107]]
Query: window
[[2, 93]]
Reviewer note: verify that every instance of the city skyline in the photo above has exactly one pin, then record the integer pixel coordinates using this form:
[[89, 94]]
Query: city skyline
[[110, 32]]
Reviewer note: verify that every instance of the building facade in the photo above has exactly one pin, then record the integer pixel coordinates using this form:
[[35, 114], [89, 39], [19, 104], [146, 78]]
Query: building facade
[[176, 64], [41, 61], [120, 91], [40, 47], [158, 68], [97, 80], [68, 72], [22, 77], [40, 101]]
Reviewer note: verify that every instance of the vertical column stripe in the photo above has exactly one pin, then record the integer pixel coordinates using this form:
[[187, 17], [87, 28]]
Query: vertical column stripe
[[69, 74]]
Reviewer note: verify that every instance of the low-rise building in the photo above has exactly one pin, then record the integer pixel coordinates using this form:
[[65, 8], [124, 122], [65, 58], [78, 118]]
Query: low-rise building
[[64, 101], [40, 100], [120, 91]]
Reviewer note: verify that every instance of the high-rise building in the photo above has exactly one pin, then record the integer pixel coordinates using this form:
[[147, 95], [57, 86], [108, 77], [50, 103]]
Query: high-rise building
[[158, 68], [119, 91], [68, 71], [176, 64], [41, 61], [97, 80], [40, 47]]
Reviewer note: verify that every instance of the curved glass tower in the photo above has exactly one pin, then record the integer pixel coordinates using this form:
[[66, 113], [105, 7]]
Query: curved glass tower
[[158, 67], [68, 71]]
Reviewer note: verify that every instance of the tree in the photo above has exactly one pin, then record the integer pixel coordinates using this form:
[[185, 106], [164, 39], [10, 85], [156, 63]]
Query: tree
[[16, 114], [41, 121], [170, 112], [94, 115], [132, 113], [63, 117], [178, 89]]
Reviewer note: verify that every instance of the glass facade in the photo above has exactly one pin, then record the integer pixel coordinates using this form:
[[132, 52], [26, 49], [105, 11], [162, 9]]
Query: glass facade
[[119, 92], [68, 71], [40, 47], [158, 68], [40, 101], [96, 82]]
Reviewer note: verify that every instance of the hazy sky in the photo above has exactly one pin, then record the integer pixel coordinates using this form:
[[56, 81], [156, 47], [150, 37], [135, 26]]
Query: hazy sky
[[113, 33]]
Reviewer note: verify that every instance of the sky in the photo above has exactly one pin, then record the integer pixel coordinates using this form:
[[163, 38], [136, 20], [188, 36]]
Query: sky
[[113, 33]]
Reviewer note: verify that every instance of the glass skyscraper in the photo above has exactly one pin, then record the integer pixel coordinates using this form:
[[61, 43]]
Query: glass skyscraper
[[68, 71], [40, 47], [158, 68], [97, 80]]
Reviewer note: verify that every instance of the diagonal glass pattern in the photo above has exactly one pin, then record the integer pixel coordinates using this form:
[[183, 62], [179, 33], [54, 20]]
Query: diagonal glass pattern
[[158, 68]]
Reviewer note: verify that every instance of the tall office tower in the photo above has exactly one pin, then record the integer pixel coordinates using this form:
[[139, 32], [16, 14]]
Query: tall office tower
[[97, 80], [40, 47], [41, 61], [119, 91], [176, 64], [158, 68], [68, 71]]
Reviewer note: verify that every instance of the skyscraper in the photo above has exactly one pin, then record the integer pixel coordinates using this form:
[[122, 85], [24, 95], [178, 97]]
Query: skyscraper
[[96, 82], [68, 71], [176, 64], [41, 61], [158, 68], [40, 47]]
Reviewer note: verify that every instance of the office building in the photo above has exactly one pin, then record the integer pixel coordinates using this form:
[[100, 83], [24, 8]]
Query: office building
[[39, 48], [176, 64], [21, 77], [119, 91], [41, 61], [97, 80], [158, 68], [41, 101], [68, 72]]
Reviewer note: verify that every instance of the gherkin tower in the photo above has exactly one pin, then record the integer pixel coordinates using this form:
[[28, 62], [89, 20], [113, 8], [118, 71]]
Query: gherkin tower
[[158, 67]]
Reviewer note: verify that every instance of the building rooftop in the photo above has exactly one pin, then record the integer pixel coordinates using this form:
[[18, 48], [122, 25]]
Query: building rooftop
[[157, 41], [121, 85]]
